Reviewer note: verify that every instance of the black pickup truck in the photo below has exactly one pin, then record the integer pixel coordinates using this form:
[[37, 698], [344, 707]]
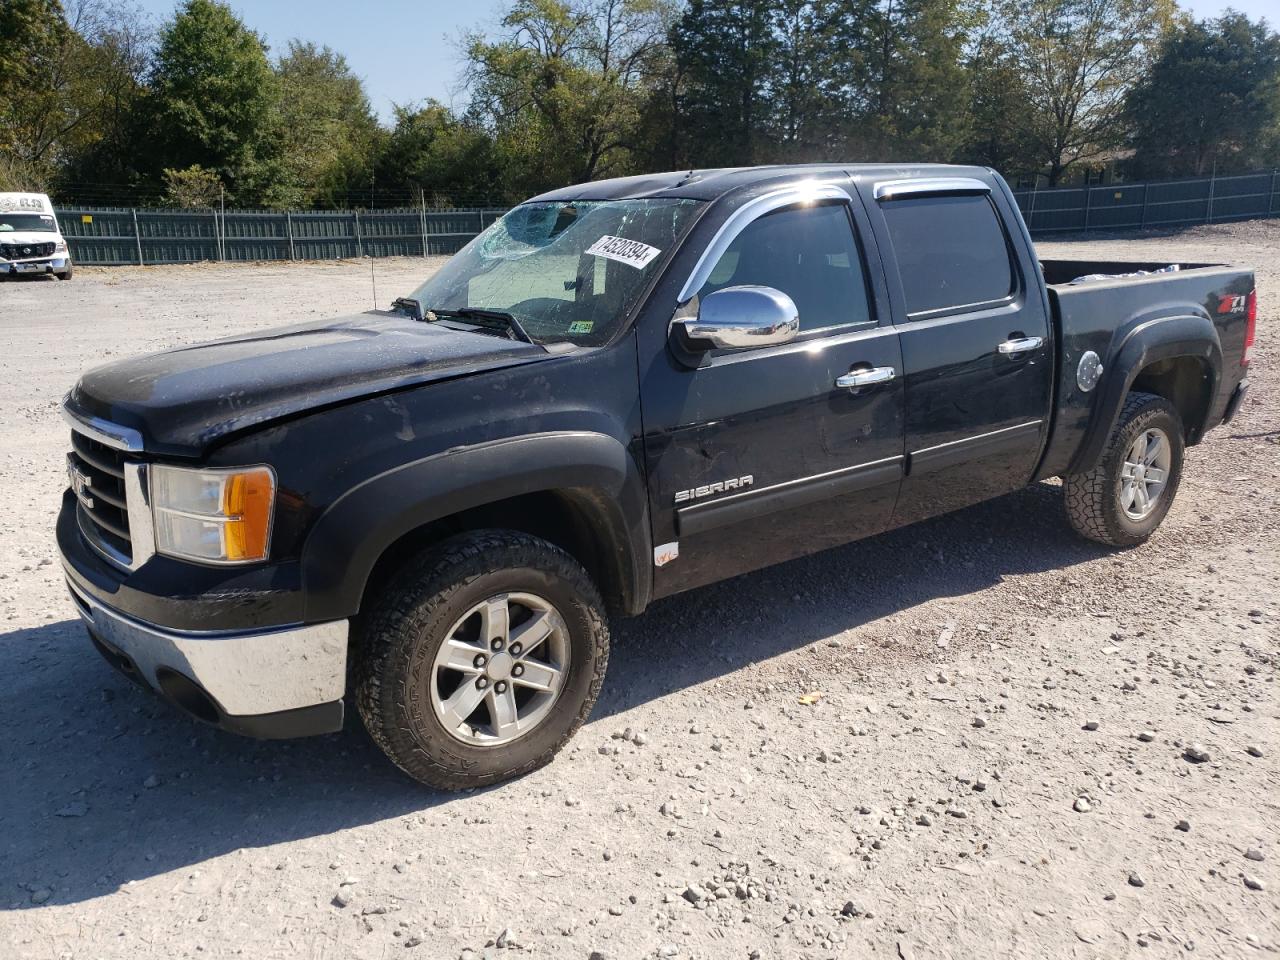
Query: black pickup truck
[[619, 391]]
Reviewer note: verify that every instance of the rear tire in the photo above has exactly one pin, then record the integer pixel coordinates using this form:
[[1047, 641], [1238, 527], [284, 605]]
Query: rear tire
[[444, 684], [1122, 500]]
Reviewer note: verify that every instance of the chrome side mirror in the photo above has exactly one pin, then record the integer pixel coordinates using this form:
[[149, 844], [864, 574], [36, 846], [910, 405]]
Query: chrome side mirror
[[738, 318]]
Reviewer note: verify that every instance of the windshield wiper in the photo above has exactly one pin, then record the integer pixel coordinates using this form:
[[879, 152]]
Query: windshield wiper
[[515, 330]]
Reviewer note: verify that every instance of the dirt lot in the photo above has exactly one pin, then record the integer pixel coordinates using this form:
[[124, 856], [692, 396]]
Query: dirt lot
[[926, 805]]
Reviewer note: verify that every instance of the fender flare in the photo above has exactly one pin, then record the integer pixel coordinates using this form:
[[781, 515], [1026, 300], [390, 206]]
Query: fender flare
[[1149, 340], [352, 534]]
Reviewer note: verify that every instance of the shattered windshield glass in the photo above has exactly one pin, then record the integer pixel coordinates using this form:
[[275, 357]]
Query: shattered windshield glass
[[567, 271]]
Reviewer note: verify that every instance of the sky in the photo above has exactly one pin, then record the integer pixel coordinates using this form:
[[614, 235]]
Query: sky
[[407, 50]]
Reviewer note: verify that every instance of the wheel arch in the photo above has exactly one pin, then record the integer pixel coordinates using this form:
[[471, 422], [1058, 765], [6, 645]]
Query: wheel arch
[[580, 491], [1175, 357]]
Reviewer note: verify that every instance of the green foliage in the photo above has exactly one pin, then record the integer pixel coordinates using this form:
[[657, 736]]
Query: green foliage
[[726, 48], [192, 188], [328, 133], [1002, 131], [1079, 59], [438, 158], [563, 88], [1211, 100], [94, 106], [213, 99]]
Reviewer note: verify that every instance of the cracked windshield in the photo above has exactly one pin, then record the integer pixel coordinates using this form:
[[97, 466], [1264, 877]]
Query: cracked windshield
[[567, 271]]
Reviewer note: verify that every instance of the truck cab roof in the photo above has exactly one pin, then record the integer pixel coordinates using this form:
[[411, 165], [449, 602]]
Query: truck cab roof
[[714, 183]]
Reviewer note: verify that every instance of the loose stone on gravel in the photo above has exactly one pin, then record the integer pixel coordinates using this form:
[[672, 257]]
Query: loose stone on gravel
[[694, 893], [1253, 751], [1135, 880], [1090, 725], [1146, 736], [1253, 853], [1252, 882], [1184, 826], [1082, 805], [1196, 753]]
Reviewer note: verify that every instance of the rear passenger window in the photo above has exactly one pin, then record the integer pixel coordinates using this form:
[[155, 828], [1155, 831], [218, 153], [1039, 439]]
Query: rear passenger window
[[810, 254], [951, 251]]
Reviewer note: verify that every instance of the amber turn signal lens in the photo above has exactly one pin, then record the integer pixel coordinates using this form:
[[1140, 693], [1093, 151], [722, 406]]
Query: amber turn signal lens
[[246, 502]]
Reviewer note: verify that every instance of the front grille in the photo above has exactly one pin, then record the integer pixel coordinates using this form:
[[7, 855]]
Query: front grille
[[24, 251], [102, 510]]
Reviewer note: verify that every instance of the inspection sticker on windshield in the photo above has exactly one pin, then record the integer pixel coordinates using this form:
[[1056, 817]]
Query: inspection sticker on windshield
[[631, 252]]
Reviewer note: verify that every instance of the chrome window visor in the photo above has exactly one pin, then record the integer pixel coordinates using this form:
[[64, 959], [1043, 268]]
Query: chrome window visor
[[898, 189], [110, 434], [747, 213]]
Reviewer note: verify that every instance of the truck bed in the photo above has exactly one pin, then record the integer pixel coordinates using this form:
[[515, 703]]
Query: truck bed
[[1101, 315], [1062, 272]]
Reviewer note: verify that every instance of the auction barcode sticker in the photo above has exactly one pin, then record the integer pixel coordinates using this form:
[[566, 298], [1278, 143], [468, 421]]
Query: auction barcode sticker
[[631, 252]]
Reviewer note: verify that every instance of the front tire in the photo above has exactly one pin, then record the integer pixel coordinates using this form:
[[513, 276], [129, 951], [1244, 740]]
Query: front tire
[[1122, 500], [65, 274], [481, 659]]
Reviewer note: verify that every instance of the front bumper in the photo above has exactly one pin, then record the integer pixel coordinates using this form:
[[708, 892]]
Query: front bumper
[[283, 682], [46, 265]]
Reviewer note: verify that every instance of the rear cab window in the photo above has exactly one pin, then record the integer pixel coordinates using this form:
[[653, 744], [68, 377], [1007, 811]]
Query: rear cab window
[[952, 252]]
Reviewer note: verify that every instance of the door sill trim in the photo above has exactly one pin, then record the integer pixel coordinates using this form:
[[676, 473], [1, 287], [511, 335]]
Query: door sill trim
[[943, 455], [751, 504]]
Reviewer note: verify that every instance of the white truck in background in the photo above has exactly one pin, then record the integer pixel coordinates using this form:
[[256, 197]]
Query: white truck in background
[[30, 239]]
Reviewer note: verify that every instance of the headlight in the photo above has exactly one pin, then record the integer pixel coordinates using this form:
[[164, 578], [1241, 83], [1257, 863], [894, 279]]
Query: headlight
[[60, 247], [218, 516]]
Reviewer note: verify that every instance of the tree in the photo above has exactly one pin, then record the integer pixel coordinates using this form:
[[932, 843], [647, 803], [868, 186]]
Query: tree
[[1001, 131], [111, 74], [192, 188], [439, 157], [328, 133], [1211, 100], [37, 48], [903, 80], [1079, 59], [212, 100], [726, 48], [564, 88]]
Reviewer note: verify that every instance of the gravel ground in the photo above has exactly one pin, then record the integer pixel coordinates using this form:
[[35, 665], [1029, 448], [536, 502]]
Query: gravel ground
[[979, 736]]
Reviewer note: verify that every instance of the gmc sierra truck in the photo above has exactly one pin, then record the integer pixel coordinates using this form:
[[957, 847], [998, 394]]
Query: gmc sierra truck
[[619, 391]]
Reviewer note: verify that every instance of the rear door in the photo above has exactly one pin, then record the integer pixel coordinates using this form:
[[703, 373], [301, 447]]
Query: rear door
[[977, 352], [759, 455]]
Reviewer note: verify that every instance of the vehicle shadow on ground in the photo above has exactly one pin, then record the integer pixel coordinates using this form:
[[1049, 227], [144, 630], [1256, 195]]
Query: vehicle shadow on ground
[[105, 784]]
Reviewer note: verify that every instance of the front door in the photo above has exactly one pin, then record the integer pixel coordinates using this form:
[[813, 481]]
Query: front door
[[977, 352], [759, 455]]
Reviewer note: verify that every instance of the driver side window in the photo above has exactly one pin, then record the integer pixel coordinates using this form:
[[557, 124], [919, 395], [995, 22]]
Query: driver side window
[[807, 252]]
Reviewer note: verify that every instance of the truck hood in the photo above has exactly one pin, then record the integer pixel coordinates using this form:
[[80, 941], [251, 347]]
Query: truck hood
[[182, 401]]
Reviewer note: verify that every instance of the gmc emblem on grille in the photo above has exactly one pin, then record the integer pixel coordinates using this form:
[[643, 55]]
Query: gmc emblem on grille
[[81, 484]]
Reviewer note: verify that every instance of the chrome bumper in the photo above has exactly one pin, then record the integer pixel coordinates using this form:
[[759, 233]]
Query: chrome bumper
[[246, 674]]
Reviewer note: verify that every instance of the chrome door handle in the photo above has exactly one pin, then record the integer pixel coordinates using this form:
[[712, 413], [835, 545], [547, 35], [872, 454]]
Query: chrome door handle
[[1021, 345], [866, 378]]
